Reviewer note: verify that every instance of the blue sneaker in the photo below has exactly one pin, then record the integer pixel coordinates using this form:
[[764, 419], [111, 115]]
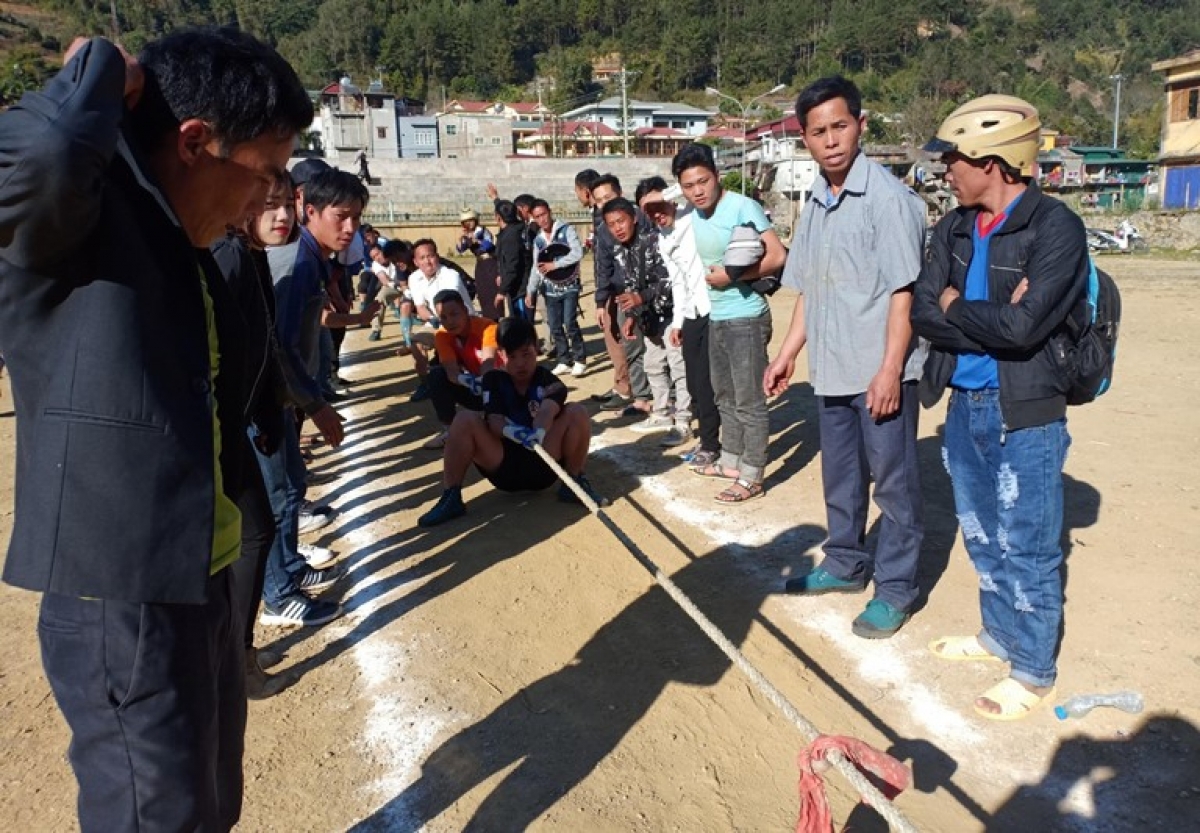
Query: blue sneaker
[[879, 621], [420, 394], [449, 507], [566, 495], [819, 582]]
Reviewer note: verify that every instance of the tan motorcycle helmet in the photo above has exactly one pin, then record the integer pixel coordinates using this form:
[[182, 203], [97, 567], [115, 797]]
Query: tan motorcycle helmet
[[468, 214], [992, 125]]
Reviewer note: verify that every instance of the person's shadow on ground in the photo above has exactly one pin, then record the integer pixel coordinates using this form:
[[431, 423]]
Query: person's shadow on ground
[[1147, 781], [558, 729]]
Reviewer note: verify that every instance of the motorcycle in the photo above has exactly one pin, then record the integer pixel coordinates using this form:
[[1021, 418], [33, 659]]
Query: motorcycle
[[1129, 238], [1126, 239]]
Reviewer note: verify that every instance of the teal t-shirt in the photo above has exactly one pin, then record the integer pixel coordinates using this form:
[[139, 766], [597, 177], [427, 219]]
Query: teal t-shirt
[[737, 300]]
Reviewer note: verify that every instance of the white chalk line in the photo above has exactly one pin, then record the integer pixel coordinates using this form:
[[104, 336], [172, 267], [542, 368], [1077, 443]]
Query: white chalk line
[[400, 735]]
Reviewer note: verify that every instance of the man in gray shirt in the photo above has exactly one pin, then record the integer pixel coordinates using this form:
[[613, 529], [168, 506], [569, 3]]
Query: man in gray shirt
[[855, 257]]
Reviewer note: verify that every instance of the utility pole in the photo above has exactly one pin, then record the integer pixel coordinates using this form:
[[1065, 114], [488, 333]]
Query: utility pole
[[745, 109], [1118, 77], [116, 26], [624, 112]]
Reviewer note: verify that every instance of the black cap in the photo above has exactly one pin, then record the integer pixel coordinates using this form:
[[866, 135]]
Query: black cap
[[306, 169]]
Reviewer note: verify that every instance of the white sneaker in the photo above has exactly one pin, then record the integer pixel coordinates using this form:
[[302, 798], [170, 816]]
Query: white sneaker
[[317, 557], [312, 521], [653, 424], [436, 443], [561, 368], [578, 369]]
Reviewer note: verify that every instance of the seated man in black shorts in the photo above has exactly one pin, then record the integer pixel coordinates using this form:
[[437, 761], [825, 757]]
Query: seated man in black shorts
[[524, 404]]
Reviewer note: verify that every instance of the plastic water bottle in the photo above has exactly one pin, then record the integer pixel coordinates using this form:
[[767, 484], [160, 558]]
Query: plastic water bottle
[[1126, 701]]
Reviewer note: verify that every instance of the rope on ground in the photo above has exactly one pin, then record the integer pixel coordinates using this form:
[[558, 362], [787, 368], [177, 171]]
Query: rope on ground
[[868, 791]]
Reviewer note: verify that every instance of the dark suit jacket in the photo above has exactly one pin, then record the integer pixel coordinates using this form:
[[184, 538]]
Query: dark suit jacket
[[103, 326], [510, 257]]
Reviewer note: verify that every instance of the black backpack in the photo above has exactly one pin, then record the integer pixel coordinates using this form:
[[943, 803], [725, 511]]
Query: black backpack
[[1092, 352]]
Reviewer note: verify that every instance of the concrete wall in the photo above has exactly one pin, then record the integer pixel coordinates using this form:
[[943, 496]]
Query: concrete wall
[[431, 190]]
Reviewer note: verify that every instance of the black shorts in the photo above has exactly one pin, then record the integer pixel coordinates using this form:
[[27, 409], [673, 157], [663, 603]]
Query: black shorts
[[521, 470]]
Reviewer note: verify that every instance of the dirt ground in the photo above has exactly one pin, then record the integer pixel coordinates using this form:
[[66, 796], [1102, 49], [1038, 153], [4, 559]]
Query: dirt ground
[[518, 669]]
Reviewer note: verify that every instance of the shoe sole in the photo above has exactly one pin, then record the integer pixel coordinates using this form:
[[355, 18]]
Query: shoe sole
[[797, 590], [421, 521], [284, 621], [869, 632]]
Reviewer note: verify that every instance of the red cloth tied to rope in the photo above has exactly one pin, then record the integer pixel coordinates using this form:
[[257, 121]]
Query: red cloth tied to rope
[[888, 774]]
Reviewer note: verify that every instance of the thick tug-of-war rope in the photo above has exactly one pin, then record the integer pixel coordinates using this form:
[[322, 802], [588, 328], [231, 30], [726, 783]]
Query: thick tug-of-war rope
[[821, 747]]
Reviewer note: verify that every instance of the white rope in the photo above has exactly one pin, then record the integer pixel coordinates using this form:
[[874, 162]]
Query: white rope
[[869, 792]]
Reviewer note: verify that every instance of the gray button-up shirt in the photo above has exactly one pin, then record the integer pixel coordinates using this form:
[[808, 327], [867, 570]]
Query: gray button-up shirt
[[850, 253]]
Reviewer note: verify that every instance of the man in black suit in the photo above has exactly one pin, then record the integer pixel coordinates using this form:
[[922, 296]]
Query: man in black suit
[[129, 395]]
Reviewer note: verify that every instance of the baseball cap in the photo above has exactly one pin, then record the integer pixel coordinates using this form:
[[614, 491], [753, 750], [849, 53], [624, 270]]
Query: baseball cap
[[744, 250]]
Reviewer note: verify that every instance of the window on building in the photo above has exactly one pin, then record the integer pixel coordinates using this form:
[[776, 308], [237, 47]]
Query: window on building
[[423, 137], [478, 140], [496, 140], [380, 132], [452, 130], [1185, 104]]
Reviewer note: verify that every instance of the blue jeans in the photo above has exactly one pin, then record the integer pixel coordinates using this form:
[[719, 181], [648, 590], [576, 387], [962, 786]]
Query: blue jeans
[[562, 317], [325, 361], [1008, 494], [283, 474], [855, 449], [737, 357]]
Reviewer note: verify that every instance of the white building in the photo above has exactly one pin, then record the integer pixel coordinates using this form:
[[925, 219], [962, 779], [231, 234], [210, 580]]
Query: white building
[[351, 119], [685, 118]]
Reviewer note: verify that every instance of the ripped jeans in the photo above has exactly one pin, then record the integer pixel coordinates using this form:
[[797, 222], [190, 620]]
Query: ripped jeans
[[1008, 494]]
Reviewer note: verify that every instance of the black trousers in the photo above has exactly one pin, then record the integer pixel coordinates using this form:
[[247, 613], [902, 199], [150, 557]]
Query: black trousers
[[155, 698], [258, 533], [445, 395], [699, 382], [338, 334]]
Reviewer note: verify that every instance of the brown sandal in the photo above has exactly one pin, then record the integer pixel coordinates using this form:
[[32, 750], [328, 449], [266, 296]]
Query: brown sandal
[[712, 470], [740, 491]]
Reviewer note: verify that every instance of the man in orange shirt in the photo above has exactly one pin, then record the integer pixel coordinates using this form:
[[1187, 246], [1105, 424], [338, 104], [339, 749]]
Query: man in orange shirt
[[466, 349]]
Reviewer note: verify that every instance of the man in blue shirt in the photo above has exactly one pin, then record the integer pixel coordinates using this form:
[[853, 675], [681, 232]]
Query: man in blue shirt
[[739, 322]]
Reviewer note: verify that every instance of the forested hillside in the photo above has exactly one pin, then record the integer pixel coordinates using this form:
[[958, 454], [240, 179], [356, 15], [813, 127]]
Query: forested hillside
[[911, 57]]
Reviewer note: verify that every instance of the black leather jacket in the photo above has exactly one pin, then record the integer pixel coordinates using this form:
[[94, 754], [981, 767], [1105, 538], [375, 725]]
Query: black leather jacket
[[1042, 240]]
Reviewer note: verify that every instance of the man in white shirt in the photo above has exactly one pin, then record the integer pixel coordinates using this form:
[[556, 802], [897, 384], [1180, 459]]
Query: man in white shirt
[[689, 325], [430, 278]]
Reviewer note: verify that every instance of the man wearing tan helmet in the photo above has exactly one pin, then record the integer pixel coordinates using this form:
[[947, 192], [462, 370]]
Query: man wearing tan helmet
[[1002, 274]]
